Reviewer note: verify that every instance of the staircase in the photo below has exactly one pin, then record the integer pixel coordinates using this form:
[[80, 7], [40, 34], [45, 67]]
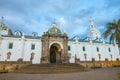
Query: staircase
[[50, 68]]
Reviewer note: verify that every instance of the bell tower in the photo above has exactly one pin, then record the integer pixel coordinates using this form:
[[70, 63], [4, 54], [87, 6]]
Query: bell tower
[[93, 32], [3, 29]]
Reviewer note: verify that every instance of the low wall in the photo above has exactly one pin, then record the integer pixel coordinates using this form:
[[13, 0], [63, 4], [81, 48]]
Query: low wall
[[12, 65], [99, 64]]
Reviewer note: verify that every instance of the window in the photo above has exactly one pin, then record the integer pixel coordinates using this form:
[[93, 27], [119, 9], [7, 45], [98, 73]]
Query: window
[[83, 48], [10, 45], [97, 49], [68, 48], [33, 47], [109, 49], [91, 26]]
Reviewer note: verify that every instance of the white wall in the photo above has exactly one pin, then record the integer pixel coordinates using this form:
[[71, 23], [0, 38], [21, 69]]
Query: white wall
[[91, 51], [16, 51], [28, 51], [21, 49]]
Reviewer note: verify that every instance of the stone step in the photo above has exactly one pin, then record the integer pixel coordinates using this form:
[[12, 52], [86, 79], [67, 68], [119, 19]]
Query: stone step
[[51, 68]]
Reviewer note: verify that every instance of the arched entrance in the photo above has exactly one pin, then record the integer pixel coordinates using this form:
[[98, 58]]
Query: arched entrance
[[55, 53]]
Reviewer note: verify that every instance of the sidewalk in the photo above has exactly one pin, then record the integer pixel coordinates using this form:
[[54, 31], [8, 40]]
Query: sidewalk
[[94, 74]]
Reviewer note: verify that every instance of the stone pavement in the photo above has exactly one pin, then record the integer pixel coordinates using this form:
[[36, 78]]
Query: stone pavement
[[94, 74]]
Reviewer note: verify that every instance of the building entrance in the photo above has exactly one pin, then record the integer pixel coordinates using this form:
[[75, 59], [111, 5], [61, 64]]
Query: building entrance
[[55, 55]]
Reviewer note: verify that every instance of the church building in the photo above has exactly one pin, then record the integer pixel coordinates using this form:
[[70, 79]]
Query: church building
[[55, 46]]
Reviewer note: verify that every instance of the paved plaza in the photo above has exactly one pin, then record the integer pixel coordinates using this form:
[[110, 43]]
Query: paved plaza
[[94, 74]]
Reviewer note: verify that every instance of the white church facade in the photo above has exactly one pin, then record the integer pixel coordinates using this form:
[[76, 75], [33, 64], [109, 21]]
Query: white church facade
[[14, 47]]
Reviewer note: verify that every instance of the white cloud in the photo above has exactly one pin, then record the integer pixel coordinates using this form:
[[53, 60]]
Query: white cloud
[[71, 15]]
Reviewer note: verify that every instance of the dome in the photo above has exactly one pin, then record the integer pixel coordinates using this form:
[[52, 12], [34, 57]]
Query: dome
[[54, 30], [18, 33]]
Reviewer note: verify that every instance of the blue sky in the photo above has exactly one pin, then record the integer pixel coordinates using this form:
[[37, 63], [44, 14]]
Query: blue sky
[[71, 16]]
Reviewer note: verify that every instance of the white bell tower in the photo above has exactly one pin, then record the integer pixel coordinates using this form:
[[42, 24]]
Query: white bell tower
[[3, 29], [93, 32]]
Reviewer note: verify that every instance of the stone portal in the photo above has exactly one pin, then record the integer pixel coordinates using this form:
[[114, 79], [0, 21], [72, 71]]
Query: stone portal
[[54, 46]]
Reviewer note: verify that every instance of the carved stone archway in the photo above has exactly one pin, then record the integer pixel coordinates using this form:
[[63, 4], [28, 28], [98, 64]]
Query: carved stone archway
[[54, 44], [55, 53]]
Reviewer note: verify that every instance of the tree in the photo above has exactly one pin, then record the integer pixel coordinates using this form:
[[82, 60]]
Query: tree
[[113, 31]]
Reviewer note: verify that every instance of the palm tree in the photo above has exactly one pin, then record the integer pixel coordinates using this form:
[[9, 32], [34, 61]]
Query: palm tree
[[113, 31]]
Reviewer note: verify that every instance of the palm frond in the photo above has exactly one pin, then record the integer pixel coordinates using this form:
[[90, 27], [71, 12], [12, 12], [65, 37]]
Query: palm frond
[[107, 33], [119, 21], [112, 37], [110, 25], [117, 34], [113, 31]]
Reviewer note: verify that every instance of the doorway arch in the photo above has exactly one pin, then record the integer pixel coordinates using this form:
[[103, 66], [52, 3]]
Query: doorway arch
[[55, 53]]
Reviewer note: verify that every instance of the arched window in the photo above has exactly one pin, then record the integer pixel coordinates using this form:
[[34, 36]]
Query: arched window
[[32, 56], [8, 55]]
